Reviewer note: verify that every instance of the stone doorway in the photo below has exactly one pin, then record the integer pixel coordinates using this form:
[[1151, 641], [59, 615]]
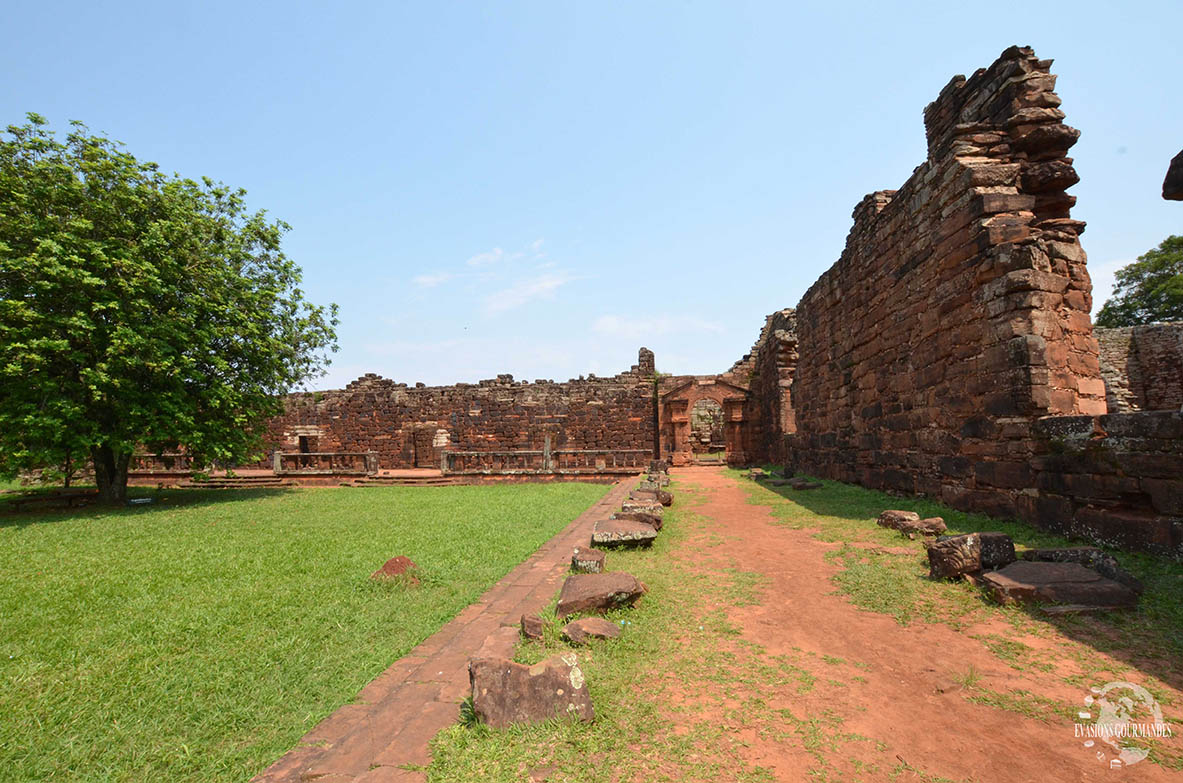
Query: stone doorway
[[425, 455], [704, 419]]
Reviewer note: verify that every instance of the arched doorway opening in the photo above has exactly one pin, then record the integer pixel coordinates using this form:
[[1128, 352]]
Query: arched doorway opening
[[706, 428]]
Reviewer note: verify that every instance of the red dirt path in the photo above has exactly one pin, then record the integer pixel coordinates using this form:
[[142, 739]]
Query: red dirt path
[[910, 701]]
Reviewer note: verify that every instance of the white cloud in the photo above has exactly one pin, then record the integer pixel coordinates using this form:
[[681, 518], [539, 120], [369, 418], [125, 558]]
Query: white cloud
[[485, 259], [525, 291], [497, 255], [432, 279], [633, 327], [1104, 278]]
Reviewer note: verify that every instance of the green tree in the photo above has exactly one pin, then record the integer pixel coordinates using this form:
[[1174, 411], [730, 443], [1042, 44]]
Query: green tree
[[138, 310], [1149, 290]]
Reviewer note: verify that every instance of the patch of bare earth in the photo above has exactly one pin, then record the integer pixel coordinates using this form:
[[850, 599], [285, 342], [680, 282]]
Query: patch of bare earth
[[849, 694]]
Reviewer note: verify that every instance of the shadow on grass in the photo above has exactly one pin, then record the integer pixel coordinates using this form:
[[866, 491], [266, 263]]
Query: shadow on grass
[[1149, 638], [164, 500]]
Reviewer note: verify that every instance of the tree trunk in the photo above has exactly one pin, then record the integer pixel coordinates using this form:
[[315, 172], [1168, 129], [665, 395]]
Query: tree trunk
[[110, 472]]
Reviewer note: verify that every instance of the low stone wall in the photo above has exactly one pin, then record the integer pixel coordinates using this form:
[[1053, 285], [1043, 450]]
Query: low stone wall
[[1142, 367], [412, 426], [1115, 479]]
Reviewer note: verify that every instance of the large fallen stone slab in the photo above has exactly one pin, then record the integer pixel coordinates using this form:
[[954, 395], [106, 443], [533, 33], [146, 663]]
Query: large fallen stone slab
[[598, 593], [647, 486], [640, 516], [1027, 581], [952, 556], [505, 693], [647, 506], [587, 561], [622, 532], [910, 522], [580, 631], [1099, 560], [651, 496]]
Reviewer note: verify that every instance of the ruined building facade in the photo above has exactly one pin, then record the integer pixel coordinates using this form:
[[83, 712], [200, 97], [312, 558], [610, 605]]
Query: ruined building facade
[[948, 352]]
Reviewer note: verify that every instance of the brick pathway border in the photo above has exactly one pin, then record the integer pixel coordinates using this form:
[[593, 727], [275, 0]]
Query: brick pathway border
[[392, 720]]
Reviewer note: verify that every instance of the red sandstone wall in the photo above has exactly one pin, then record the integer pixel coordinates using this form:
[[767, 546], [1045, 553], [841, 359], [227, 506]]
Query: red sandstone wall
[[950, 353], [1117, 479], [1142, 367], [775, 361], [410, 426], [960, 305]]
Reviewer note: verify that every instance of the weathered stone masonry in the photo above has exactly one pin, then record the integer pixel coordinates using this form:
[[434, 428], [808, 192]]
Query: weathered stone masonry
[[410, 426], [1142, 367], [957, 320]]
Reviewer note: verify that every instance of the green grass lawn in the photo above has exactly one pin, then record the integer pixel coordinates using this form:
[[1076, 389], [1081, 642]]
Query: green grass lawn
[[199, 638]]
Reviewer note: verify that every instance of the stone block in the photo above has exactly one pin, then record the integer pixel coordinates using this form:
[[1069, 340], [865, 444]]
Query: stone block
[[587, 561], [588, 628], [598, 593], [505, 693], [622, 532]]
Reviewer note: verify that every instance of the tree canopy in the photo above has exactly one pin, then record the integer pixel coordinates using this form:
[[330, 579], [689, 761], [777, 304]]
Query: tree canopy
[[1149, 290], [139, 310]]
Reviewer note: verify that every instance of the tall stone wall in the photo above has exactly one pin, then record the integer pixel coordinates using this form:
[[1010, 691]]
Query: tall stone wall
[[960, 307], [949, 352], [409, 426], [1142, 367]]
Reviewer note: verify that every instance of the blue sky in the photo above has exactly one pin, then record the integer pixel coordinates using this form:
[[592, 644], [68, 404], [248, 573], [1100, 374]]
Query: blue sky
[[540, 188]]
